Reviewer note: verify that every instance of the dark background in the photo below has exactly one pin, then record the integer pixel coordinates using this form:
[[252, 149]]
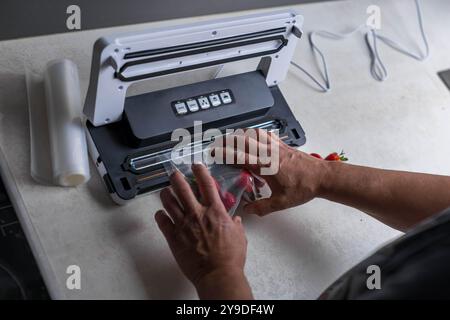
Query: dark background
[[25, 18]]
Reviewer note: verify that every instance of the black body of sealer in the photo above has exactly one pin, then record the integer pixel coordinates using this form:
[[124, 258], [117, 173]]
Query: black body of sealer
[[149, 119]]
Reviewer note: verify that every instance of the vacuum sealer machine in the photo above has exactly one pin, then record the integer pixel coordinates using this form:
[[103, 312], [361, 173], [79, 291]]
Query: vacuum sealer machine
[[127, 135]]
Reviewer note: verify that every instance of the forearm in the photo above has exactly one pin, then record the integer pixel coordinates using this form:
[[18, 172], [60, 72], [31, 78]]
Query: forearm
[[224, 285], [399, 199]]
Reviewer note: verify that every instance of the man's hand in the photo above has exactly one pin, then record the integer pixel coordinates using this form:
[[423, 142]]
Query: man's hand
[[298, 179], [399, 199], [209, 246]]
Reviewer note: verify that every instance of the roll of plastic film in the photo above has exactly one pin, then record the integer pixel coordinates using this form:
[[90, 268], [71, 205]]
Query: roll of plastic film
[[66, 133]]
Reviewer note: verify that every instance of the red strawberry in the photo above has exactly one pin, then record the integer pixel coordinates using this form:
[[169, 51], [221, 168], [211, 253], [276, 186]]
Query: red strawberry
[[229, 200], [245, 181], [316, 155], [336, 157]]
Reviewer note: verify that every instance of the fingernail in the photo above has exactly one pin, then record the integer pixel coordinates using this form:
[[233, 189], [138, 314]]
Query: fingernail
[[174, 173], [158, 213], [198, 164]]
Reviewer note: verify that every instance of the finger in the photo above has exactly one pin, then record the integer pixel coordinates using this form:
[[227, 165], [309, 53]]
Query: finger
[[249, 142], [166, 226], [264, 148], [268, 143], [206, 184], [245, 141], [264, 207], [242, 139], [264, 135], [266, 139], [170, 203], [258, 145], [237, 220], [184, 193], [241, 159]]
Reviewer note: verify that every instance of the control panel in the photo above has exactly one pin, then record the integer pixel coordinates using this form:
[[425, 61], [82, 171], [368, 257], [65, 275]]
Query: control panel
[[203, 102]]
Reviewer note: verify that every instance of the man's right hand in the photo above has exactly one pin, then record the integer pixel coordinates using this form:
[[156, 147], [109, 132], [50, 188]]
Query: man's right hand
[[398, 199], [298, 179]]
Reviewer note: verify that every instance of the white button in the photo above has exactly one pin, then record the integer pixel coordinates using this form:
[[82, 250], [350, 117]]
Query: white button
[[192, 105], [215, 100], [203, 102], [226, 97], [181, 108]]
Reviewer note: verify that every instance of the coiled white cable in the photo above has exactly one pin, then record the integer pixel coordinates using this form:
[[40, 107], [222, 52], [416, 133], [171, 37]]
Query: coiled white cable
[[377, 68]]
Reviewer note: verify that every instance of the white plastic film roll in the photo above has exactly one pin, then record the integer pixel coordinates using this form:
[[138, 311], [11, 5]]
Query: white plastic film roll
[[66, 133]]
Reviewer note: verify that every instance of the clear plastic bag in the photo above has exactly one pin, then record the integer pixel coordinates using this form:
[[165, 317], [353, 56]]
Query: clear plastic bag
[[233, 184]]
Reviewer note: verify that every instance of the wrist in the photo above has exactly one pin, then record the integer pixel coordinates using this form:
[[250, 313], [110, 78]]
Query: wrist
[[228, 283], [327, 178]]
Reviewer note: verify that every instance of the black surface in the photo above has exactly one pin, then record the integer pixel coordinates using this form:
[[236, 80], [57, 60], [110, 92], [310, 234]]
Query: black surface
[[445, 76], [415, 266], [24, 18], [3, 197], [252, 98], [17, 265], [113, 141]]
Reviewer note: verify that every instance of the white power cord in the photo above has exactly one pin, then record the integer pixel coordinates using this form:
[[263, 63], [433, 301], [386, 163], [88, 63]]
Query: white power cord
[[324, 71], [377, 68]]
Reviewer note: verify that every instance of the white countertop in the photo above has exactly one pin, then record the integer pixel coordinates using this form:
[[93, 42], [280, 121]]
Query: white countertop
[[402, 123]]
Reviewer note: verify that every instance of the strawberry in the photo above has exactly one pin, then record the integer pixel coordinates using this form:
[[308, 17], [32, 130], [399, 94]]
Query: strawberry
[[316, 155], [336, 157], [245, 181], [229, 200]]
